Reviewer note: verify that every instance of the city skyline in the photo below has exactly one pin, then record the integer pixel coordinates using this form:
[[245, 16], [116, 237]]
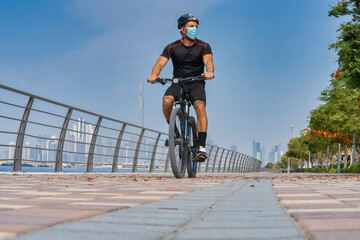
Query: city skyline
[[259, 152], [42, 148]]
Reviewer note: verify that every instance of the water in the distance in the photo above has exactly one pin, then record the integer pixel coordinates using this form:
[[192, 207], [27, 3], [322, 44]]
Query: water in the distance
[[73, 170]]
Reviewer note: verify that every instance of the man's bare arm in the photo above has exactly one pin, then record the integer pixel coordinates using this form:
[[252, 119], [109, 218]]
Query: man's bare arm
[[208, 61], [159, 65]]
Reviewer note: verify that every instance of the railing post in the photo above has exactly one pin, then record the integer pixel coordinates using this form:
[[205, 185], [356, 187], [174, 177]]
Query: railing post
[[214, 162], [247, 164], [21, 135], [207, 163], [232, 153], [136, 156], [90, 162], [237, 163], [152, 163], [233, 165], [327, 158], [60, 147], [353, 150], [115, 163], [339, 159], [227, 154], [243, 164], [219, 167]]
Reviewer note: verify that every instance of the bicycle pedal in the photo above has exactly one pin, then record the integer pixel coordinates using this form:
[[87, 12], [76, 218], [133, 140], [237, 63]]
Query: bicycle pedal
[[200, 158]]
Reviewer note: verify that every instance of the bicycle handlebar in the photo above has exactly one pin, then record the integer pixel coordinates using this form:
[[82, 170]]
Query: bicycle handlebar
[[163, 81]]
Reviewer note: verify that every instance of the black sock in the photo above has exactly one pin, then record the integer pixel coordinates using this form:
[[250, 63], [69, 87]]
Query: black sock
[[202, 138]]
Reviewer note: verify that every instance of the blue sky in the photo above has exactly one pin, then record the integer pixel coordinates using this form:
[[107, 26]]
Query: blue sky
[[271, 59]]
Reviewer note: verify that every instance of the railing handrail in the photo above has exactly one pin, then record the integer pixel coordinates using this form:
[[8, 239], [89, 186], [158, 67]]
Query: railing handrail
[[75, 108], [237, 162]]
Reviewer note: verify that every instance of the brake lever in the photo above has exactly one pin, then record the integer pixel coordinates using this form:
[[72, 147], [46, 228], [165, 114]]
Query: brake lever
[[162, 81]]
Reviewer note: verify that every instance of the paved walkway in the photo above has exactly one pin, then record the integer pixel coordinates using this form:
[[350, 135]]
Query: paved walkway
[[223, 206], [242, 209], [30, 202], [326, 206]]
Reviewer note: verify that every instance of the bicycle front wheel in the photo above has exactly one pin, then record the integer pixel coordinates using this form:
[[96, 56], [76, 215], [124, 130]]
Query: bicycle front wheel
[[177, 145], [192, 148]]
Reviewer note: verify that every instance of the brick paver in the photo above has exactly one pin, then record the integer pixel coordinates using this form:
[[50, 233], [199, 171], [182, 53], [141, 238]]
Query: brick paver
[[326, 206], [30, 202], [241, 209]]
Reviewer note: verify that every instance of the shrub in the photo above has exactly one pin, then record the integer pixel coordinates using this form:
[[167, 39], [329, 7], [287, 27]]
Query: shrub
[[269, 165], [344, 170], [333, 170], [300, 170], [355, 168]]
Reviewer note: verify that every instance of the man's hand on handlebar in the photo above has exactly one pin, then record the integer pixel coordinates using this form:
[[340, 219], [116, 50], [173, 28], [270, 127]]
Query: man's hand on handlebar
[[208, 75], [152, 78]]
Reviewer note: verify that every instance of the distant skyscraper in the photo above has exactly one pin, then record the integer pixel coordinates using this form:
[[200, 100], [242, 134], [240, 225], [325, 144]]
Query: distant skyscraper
[[275, 154], [264, 158], [292, 132], [81, 129], [256, 150], [11, 150], [38, 153], [52, 146], [26, 151], [233, 148], [4, 154]]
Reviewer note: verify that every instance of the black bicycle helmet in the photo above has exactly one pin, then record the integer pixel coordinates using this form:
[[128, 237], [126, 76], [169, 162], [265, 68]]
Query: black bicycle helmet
[[186, 18]]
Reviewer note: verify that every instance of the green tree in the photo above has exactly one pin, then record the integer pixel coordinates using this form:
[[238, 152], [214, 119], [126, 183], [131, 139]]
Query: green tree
[[348, 44], [298, 147]]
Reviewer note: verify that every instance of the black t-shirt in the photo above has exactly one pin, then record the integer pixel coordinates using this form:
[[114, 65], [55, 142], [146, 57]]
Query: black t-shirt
[[187, 61]]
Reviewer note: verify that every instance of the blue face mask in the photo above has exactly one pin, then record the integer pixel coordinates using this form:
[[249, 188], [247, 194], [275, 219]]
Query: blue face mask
[[192, 32]]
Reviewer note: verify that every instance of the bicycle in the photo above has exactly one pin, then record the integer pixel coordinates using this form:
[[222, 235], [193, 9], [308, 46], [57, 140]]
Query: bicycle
[[183, 136]]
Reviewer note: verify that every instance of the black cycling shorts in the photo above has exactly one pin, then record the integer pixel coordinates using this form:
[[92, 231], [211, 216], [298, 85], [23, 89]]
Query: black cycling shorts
[[196, 91]]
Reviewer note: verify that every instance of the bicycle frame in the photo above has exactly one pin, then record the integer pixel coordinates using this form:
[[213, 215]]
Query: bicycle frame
[[184, 104]]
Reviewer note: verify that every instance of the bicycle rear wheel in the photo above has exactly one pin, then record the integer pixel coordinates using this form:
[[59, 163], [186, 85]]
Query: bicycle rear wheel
[[177, 145], [192, 149]]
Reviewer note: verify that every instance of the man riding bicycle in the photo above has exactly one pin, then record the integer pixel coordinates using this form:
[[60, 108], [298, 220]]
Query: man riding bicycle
[[189, 56]]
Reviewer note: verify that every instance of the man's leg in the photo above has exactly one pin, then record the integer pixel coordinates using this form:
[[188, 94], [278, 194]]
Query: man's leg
[[202, 124], [167, 106]]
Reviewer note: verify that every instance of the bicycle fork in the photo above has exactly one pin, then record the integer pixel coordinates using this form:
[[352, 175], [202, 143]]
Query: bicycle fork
[[186, 115]]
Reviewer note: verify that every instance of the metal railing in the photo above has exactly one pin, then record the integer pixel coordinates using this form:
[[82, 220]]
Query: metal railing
[[27, 122]]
